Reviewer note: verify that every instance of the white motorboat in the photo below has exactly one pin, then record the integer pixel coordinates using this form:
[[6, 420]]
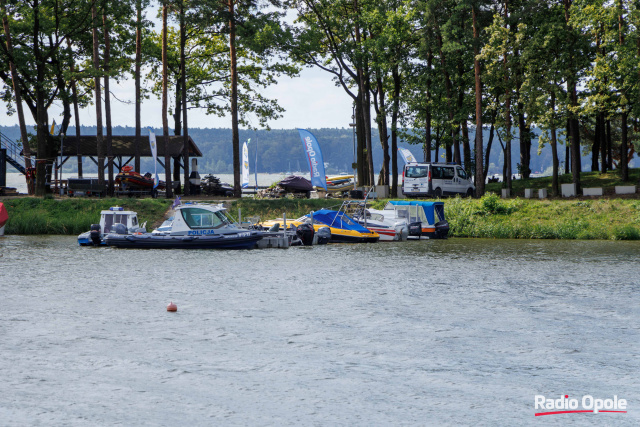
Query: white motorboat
[[194, 226], [108, 219], [389, 228]]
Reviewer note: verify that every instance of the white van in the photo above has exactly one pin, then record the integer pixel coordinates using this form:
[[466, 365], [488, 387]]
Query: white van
[[435, 180]]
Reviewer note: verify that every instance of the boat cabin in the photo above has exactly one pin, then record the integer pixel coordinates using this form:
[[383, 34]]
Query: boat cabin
[[117, 215]]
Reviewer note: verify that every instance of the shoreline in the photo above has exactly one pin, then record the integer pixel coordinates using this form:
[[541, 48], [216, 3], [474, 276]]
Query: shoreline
[[580, 218]]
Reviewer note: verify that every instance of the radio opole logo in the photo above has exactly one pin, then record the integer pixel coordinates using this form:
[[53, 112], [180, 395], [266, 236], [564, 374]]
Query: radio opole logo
[[566, 405], [312, 156]]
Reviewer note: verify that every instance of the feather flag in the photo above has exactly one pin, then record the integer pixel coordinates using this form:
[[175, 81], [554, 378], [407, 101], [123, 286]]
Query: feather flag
[[314, 154], [407, 156], [245, 165], [154, 154]]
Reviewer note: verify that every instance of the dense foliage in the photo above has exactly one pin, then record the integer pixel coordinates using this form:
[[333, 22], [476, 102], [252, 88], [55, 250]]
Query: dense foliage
[[528, 72]]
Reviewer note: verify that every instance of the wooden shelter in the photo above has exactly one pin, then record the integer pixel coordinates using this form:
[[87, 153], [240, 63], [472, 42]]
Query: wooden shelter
[[123, 149]]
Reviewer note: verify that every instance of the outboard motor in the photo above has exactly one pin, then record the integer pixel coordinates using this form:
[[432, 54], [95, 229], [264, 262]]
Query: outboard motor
[[402, 232], [323, 236], [442, 229], [415, 229], [305, 232], [120, 229], [94, 234]]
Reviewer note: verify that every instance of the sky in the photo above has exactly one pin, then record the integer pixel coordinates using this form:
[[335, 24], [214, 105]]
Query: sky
[[311, 101]]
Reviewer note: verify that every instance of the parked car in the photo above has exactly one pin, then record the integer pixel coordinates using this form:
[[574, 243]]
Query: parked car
[[435, 180]]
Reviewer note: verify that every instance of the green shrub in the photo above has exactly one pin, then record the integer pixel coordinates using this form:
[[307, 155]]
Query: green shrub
[[627, 232]]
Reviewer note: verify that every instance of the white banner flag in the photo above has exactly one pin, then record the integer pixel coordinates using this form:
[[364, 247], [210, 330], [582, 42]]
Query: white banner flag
[[407, 156], [154, 154]]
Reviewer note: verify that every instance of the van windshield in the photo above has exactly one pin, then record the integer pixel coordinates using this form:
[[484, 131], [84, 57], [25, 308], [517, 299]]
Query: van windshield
[[417, 172]]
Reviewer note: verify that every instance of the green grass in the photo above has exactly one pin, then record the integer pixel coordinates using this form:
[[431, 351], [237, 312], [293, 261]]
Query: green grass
[[492, 217], [488, 217], [31, 215]]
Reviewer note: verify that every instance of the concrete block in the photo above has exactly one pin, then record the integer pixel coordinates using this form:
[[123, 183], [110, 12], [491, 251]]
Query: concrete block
[[506, 193], [625, 189], [568, 190], [528, 193], [382, 191], [542, 193], [594, 191], [314, 195]]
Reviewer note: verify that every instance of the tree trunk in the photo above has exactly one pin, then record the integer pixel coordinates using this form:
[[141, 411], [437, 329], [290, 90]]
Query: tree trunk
[[624, 167], [165, 119], [98, 97], [76, 111], [595, 147], [479, 174], [567, 148], [360, 139], [16, 89], [485, 172], [466, 147], [381, 119], [427, 113], [234, 102], [609, 146], [138, 140], [573, 97], [449, 90], [555, 187], [525, 143], [394, 129], [367, 125], [183, 78], [107, 101], [507, 107], [602, 143]]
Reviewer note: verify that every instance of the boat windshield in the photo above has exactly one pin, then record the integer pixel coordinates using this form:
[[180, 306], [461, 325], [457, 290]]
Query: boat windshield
[[111, 219], [203, 218]]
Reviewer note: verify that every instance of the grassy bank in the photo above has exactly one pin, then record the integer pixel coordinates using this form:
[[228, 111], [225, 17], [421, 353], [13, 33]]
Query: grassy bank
[[488, 217], [492, 217], [31, 215]]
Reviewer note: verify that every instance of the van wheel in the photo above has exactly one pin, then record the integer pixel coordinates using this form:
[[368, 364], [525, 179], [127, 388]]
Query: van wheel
[[437, 193], [470, 192]]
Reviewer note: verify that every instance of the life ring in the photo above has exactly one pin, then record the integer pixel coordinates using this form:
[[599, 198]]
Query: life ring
[[127, 168]]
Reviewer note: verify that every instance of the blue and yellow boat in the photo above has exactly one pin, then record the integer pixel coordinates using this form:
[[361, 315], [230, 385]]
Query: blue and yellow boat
[[344, 229]]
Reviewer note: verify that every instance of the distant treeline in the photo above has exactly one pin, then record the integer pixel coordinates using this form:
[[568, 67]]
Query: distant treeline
[[280, 150]]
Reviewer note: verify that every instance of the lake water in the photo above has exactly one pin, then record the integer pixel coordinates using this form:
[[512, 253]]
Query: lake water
[[17, 180], [456, 332]]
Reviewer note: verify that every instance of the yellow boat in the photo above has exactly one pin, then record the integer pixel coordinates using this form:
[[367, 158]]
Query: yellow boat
[[343, 228], [338, 183]]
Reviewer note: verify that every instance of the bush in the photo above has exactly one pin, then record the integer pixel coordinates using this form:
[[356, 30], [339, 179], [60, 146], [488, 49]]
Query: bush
[[627, 232]]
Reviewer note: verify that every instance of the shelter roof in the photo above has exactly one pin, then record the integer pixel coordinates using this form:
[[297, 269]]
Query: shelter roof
[[124, 145]]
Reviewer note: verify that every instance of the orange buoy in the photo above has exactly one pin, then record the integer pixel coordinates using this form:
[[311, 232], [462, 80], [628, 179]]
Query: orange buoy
[[172, 307]]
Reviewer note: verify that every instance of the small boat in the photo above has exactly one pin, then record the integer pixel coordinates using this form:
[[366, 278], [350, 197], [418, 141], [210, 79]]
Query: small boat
[[389, 228], [339, 183], [194, 226], [342, 228], [108, 220], [4, 217], [130, 178], [430, 215]]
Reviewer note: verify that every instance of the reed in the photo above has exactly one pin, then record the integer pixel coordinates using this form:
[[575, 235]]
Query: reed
[[32, 215]]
